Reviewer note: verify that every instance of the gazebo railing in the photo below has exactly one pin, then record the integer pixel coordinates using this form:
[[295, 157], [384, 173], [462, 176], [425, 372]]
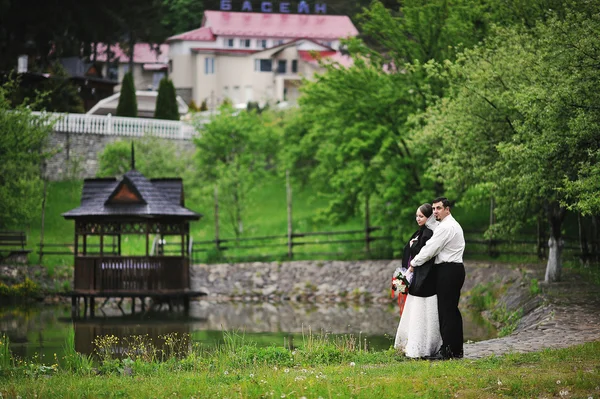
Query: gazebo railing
[[131, 274]]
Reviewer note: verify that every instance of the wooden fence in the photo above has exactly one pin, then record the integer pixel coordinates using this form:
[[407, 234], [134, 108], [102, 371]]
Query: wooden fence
[[369, 243]]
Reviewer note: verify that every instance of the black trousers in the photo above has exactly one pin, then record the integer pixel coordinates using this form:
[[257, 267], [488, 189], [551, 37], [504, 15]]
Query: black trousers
[[449, 281]]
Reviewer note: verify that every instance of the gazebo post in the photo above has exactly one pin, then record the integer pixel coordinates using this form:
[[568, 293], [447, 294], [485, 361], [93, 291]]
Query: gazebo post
[[147, 240]]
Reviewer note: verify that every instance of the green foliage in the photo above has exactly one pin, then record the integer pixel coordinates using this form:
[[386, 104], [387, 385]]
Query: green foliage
[[154, 158], [534, 287], [5, 354], [166, 101], [23, 149], [193, 107], [61, 94], [518, 122], [203, 106], [127, 105], [483, 297], [234, 153], [26, 289]]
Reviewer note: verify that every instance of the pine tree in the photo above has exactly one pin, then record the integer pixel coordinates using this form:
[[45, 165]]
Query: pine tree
[[166, 102], [127, 100]]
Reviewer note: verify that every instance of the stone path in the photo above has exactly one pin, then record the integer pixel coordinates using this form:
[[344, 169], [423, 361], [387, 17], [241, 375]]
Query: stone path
[[570, 315]]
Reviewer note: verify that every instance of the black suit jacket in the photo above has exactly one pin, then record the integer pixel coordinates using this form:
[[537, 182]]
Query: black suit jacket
[[423, 282]]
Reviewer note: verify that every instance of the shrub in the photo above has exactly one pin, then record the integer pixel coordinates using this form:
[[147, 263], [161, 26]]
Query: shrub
[[127, 100], [166, 102], [203, 106]]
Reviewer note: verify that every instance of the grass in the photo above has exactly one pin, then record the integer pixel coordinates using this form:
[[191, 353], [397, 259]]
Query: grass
[[320, 367], [266, 216]]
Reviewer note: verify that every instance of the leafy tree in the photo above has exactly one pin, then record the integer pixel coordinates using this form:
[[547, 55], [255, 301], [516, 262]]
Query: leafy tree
[[182, 15], [235, 151], [520, 124], [154, 158], [166, 101], [127, 105], [350, 138], [23, 148]]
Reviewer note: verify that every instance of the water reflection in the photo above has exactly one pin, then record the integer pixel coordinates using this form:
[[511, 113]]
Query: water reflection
[[43, 331]]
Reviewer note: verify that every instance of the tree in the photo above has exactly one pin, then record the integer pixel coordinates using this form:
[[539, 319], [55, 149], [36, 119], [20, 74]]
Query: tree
[[166, 101], [350, 138], [154, 158], [127, 105], [234, 153], [520, 123], [182, 15], [23, 148]]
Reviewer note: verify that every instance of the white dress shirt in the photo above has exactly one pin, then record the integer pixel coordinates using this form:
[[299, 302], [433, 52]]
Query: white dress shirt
[[447, 244]]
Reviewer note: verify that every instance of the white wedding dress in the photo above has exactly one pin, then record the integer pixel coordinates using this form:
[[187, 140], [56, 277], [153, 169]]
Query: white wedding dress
[[418, 333]]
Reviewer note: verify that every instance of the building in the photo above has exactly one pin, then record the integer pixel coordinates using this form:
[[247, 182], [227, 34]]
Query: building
[[151, 64], [245, 56]]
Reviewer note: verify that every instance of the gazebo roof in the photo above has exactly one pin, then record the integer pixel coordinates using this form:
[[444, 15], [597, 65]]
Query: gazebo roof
[[132, 196]]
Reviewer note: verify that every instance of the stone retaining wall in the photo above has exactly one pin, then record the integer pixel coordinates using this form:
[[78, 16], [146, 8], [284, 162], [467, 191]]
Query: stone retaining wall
[[301, 280], [76, 155]]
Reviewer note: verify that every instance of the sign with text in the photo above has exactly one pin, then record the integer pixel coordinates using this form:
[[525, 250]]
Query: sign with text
[[281, 7]]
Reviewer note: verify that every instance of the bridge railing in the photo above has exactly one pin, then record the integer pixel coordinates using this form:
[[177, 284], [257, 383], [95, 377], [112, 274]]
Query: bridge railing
[[120, 126]]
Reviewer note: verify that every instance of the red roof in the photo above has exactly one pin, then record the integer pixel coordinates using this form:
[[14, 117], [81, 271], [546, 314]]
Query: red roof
[[308, 55], [143, 53], [203, 34], [251, 24]]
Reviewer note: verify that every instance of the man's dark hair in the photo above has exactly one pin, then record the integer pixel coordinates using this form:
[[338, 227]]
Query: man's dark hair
[[443, 200]]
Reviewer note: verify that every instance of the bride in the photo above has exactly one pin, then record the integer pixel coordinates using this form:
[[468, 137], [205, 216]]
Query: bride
[[418, 333]]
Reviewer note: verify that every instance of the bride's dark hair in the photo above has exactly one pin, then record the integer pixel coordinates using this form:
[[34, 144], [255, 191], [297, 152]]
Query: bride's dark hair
[[426, 210]]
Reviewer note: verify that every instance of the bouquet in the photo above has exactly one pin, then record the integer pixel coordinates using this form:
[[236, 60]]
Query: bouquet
[[401, 281]]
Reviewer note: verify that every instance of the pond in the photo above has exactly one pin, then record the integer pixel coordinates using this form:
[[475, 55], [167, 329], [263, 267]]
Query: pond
[[42, 331]]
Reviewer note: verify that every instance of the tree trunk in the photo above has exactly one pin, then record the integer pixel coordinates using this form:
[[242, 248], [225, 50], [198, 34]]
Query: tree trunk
[[583, 242], [131, 52], [556, 215]]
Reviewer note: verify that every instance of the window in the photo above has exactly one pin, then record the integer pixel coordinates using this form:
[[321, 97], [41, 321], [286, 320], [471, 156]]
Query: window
[[229, 42], [245, 43], [113, 72], [263, 65], [261, 43], [156, 78], [281, 66], [278, 42], [209, 66], [294, 66]]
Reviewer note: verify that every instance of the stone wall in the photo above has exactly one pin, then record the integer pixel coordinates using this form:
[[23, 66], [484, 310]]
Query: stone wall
[[335, 281], [76, 155]]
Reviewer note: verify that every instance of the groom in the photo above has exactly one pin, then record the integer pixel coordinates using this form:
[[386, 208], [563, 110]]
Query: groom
[[447, 246]]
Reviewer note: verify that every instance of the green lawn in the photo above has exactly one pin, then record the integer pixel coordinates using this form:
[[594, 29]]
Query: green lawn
[[570, 373], [266, 215]]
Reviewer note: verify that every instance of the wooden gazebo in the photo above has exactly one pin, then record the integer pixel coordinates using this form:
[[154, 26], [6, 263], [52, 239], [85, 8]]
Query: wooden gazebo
[[134, 205]]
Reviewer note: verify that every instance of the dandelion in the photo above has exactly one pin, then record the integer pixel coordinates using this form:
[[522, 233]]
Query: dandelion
[[352, 364], [225, 372], [275, 368], [499, 382], [557, 382], [564, 392], [283, 395], [251, 375], [286, 370]]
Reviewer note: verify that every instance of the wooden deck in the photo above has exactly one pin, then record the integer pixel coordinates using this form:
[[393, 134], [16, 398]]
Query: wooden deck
[[163, 279], [95, 275]]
